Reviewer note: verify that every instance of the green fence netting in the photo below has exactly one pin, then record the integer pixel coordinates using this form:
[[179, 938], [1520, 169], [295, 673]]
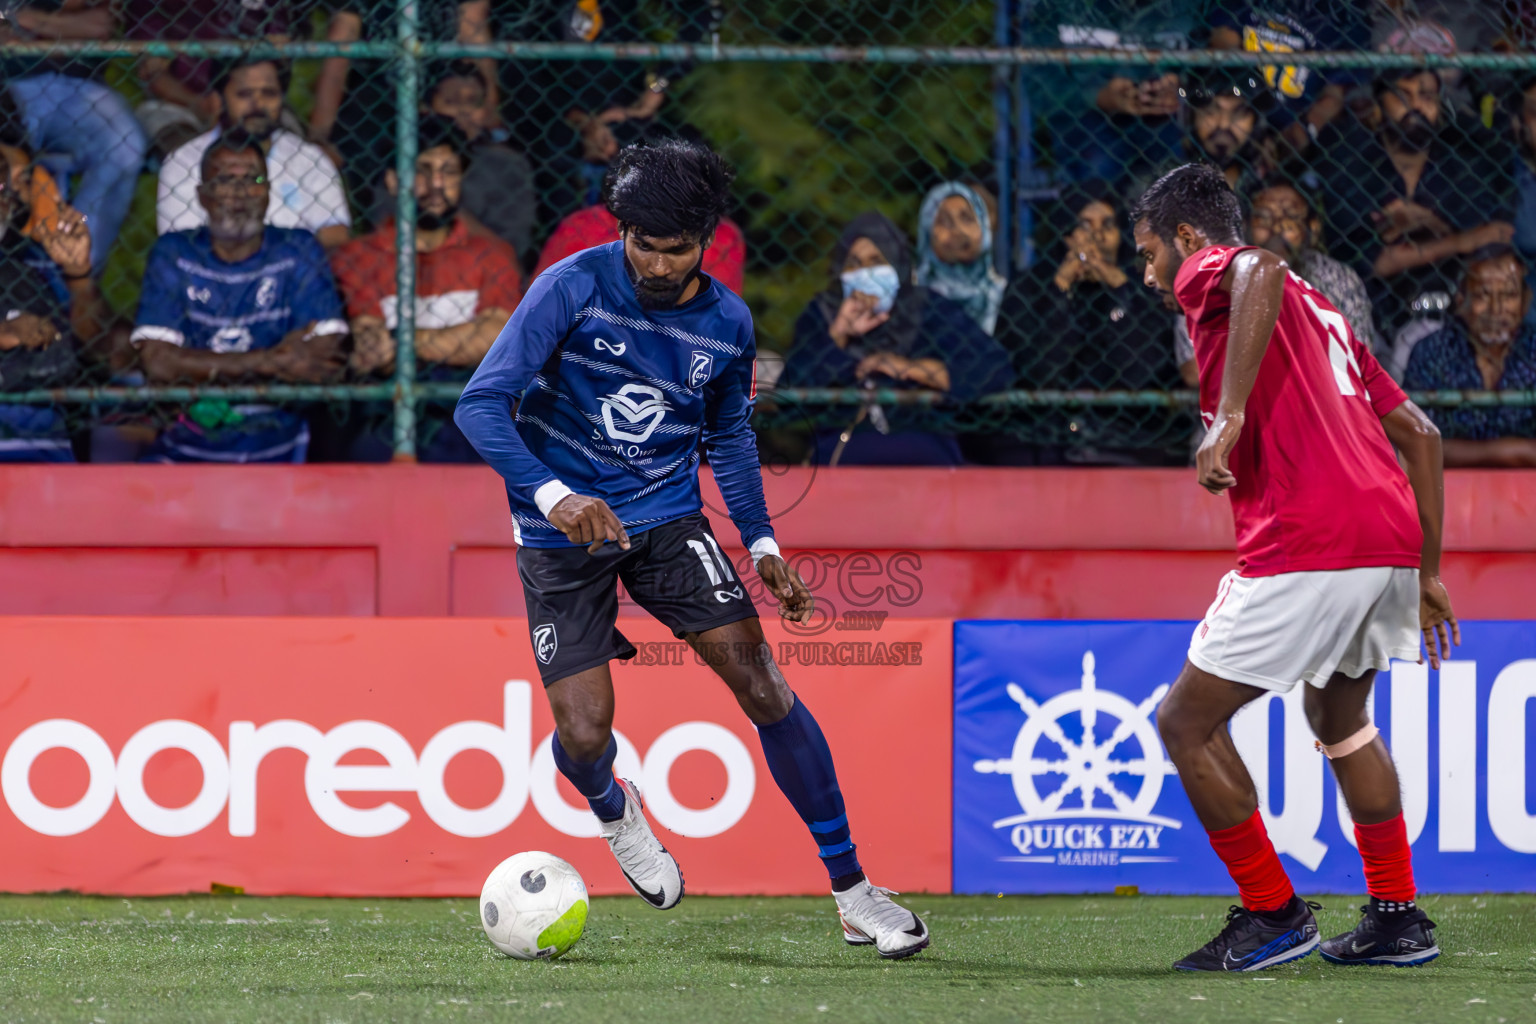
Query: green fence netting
[[988, 151]]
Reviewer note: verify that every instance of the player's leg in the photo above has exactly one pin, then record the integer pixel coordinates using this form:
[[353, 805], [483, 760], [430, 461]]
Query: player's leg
[[1392, 930], [1260, 634], [573, 609], [800, 761], [685, 580], [1273, 925]]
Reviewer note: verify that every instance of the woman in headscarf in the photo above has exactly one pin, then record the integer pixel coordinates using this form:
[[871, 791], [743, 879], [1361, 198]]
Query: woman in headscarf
[[954, 251], [873, 328], [1082, 319]]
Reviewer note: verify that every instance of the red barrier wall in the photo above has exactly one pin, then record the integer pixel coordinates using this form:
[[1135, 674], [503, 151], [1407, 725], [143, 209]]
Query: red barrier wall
[[354, 757], [430, 541]]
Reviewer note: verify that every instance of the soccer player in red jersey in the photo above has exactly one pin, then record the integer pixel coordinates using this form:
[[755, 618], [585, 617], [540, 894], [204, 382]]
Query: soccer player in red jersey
[[1338, 567]]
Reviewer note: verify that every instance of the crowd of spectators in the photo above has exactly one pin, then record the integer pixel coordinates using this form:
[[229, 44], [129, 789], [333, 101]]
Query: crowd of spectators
[[1407, 196]]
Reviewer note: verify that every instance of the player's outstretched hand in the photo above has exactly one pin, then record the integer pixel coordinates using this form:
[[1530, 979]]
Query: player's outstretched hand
[[1211, 460], [588, 521], [1435, 616], [784, 583]]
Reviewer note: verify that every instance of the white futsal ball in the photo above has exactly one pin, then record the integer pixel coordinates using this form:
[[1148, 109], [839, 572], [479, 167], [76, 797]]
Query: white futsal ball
[[534, 906]]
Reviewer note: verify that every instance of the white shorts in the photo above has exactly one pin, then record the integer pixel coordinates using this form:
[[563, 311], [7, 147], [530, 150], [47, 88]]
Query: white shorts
[[1271, 631]]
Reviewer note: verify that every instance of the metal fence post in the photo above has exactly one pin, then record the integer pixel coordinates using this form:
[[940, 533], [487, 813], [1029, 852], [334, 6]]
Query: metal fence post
[[406, 89], [1002, 147]]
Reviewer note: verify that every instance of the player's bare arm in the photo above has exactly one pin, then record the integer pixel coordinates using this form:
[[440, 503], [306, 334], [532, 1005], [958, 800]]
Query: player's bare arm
[[588, 521], [784, 583], [1417, 440], [1256, 279]]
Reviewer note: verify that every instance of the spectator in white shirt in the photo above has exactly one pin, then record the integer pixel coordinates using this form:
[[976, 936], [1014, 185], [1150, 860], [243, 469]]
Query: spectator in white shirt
[[306, 190]]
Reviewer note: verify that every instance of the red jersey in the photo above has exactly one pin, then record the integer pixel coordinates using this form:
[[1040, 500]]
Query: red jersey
[[1318, 485], [725, 261], [455, 282]]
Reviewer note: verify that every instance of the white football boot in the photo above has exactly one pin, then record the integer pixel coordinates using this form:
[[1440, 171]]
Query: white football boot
[[871, 918], [651, 871]]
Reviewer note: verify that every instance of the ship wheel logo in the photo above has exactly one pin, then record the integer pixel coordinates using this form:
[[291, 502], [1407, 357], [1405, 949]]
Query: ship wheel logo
[[1114, 769]]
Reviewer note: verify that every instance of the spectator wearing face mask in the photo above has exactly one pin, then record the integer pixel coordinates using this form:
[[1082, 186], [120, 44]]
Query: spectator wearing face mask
[[954, 251], [1412, 196], [874, 328]]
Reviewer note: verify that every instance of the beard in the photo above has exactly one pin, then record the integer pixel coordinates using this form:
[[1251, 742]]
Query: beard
[[258, 126], [1414, 132], [652, 294], [1223, 148], [235, 226], [428, 221]]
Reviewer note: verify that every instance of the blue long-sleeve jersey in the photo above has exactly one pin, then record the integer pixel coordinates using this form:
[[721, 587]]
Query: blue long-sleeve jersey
[[587, 390]]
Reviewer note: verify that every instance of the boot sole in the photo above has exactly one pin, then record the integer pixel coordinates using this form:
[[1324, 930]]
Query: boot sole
[[1417, 959]]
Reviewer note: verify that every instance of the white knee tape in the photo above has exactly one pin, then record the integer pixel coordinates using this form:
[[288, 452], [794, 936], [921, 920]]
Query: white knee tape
[[1345, 747]]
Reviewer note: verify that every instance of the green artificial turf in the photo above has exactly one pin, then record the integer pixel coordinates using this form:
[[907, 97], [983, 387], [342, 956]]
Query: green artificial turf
[[1102, 959]]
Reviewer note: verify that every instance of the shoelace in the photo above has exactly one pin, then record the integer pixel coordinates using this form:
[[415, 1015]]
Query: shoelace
[[883, 912], [628, 842]]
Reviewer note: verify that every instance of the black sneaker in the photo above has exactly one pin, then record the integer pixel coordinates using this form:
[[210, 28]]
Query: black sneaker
[[1254, 940], [1402, 939]]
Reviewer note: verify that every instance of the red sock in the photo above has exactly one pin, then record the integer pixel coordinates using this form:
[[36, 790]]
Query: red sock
[[1388, 859], [1250, 858]]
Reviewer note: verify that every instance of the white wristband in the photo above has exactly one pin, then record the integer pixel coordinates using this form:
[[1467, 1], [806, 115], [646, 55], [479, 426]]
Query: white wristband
[[549, 495], [763, 546]]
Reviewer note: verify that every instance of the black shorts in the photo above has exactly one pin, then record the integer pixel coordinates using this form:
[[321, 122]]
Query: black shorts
[[675, 571]]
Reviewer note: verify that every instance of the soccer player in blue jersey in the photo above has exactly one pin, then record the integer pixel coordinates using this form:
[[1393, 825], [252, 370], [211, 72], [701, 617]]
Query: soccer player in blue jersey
[[622, 362]]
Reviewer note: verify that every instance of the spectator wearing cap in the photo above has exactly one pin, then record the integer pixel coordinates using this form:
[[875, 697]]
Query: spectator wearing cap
[[305, 190], [725, 260], [1412, 196], [497, 190], [1487, 347], [77, 125], [236, 300], [467, 286], [954, 250], [1307, 99], [1225, 126]]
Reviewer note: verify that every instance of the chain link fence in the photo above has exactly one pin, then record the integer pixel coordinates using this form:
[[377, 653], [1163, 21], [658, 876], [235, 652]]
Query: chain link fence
[[212, 209]]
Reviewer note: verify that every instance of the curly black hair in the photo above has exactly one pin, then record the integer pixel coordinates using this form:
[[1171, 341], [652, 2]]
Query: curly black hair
[[1194, 194], [671, 188]]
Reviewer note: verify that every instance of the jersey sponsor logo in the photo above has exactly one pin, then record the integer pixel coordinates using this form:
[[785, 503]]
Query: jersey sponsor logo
[[266, 292], [196, 294], [1215, 256], [615, 347], [641, 409], [545, 643], [699, 369]]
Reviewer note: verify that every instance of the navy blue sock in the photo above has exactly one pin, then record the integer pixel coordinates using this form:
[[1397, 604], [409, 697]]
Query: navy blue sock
[[593, 780], [801, 764]]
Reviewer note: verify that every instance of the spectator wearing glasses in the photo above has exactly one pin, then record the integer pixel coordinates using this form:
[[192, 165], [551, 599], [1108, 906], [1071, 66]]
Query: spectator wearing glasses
[[467, 286], [1284, 219], [238, 300], [75, 122], [305, 190], [1487, 347]]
